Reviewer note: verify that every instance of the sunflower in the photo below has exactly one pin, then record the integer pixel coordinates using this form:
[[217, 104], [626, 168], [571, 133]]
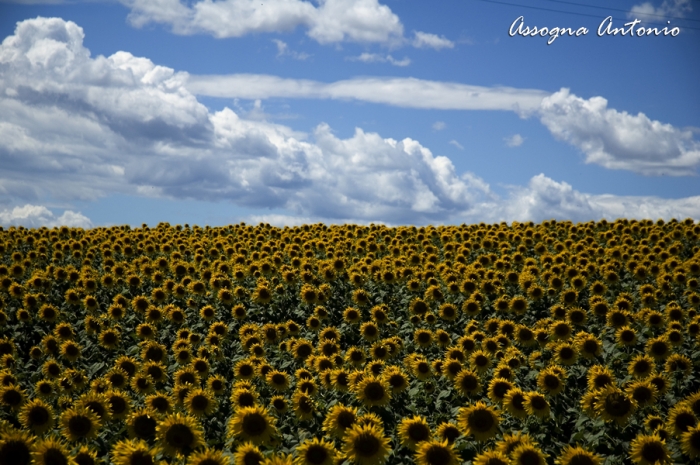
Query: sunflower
[[366, 445], [397, 379], [369, 331], [588, 345], [599, 377], [79, 423], [119, 403], [659, 348], [200, 402], [447, 431], [433, 452], [133, 452], [536, 404], [209, 456], [479, 420], [179, 434], [16, 447], [141, 424], [690, 442], [480, 360], [498, 389], [352, 315], [37, 416], [641, 366], [303, 405], [251, 424], [242, 397], [550, 381], [528, 454], [649, 450], [680, 419], [339, 419], [248, 454], [413, 430], [491, 457], [86, 456], [373, 391], [514, 403], [507, 445], [613, 404], [315, 452], [575, 455], [97, 403], [679, 364]]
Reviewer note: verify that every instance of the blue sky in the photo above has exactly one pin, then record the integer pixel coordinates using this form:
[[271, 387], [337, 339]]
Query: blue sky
[[395, 111]]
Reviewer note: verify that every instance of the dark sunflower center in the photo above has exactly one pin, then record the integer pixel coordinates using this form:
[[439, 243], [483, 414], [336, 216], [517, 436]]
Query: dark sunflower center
[[481, 420], [653, 452], [97, 407], [566, 353], [374, 391], [581, 459], [694, 441], [145, 426], [437, 455], [642, 366], [659, 348], [252, 458], [54, 457], [316, 454], [246, 399], [552, 382], [200, 403], [38, 416], [481, 360], [15, 452], [254, 424], [529, 457], [367, 445], [346, 419], [501, 389], [140, 458], [80, 425], [179, 436], [538, 403], [518, 401], [117, 405], [685, 421], [617, 405], [418, 432]]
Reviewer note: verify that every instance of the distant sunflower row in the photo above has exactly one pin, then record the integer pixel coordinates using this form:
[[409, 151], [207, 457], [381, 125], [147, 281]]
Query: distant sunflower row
[[327, 345]]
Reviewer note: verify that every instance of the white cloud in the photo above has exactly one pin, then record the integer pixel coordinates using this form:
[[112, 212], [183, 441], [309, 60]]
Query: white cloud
[[456, 144], [439, 125], [426, 40], [516, 140], [76, 127], [284, 50], [377, 58], [331, 21], [35, 216], [390, 91], [619, 140], [648, 12]]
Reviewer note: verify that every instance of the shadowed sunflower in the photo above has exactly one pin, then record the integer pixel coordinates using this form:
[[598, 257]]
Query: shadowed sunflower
[[16, 447], [373, 391], [680, 419], [141, 424], [303, 405], [413, 431], [571, 455], [79, 423], [200, 402], [690, 442], [37, 416], [447, 431], [315, 452], [209, 457], [491, 457], [248, 454], [86, 456], [52, 451], [514, 403], [252, 424], [536, 404], [179, 434], [528, 454], [550, 381], [612, 404], [479, 420], [133, 452], [649, 450], [433, 452], [339, 419], [366, 445]]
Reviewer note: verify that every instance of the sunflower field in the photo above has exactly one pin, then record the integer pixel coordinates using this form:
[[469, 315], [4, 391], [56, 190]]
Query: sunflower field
[[521, 344]]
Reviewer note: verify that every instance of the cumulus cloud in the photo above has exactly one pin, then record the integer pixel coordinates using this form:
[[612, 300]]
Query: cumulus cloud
[[390, 91], [74, 126], [378, 58], [516, 140], [619, 140], [35, 216], [426, 40], [330, 21], [77, 127], [669, 9]]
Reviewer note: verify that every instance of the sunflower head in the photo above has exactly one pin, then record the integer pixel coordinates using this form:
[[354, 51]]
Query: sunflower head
[[478, 420], [366, 445]]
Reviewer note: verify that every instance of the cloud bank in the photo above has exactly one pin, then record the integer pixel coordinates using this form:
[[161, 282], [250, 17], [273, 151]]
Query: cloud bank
[[77, 127]]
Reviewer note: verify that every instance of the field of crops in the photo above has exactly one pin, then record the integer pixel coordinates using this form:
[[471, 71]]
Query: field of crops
[[555, 343]]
